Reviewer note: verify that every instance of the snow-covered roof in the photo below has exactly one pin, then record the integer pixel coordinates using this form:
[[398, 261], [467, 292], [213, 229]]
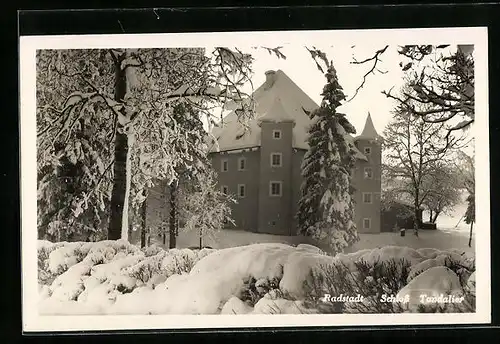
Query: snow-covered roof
[[277, 99]]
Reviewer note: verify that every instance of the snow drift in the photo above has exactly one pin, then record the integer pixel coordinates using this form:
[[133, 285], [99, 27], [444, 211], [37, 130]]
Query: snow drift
[[115, 277]]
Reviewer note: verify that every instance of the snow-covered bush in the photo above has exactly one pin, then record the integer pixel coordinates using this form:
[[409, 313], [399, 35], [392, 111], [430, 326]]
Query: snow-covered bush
[[297, 269], [235, 306], [90, 277], [162, 265], [114, 277], [145, 269], [434, 283], [212, 281], [368, 279], [152, 250], [45, 277], [462, 266], [281, 306], [253, 290], [91, 265]]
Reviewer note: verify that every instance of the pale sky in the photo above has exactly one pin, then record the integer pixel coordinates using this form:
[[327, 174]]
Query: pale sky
[[300, 67]]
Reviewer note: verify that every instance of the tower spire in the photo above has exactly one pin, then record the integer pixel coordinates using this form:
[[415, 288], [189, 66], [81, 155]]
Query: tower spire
[[369, 131]]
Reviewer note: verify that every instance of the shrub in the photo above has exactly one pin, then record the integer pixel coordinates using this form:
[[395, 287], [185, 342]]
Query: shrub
[[163, 263], [253, 290], [370, 280], [464, 269]]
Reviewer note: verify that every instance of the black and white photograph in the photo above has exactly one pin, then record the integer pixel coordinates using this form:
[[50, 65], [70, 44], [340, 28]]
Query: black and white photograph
[[292, 178]]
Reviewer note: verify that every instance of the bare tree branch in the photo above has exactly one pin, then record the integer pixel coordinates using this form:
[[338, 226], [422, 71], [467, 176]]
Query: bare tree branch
[[376, 59]]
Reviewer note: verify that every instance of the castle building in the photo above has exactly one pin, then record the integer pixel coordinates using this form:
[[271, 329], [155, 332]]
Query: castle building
[[261, 165]]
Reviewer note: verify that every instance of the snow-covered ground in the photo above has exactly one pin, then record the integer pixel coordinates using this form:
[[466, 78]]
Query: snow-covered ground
[[453, 220], [452, 233], [249, 273], [115, 277], [439, 239], [235, 237], [442, 239]]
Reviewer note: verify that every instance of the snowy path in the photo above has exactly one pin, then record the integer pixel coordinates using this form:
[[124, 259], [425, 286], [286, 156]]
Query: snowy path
[[440, 239], [233, 237]]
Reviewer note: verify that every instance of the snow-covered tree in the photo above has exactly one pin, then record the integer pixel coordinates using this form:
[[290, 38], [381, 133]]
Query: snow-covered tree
[[444, 82], [414, 150], [444, 191], [74, 153], [175, 152], [467, 167], [326, 206], [442, 78], [118, 96], [205, 207]]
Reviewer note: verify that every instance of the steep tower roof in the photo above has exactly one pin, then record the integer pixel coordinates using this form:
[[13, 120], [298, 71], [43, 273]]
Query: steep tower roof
[[278, 99], [369, 132]]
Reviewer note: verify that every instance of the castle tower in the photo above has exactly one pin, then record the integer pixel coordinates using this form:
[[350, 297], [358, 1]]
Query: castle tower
[[367, 179], [276, 159], [261, 166]]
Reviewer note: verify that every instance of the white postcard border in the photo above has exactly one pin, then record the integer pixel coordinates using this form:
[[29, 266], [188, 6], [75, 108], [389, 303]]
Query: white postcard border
[[28, 46]]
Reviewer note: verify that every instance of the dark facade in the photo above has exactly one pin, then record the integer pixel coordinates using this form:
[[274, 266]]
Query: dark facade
[[367, 183], [273, 147], [259, 210], [262, 167]]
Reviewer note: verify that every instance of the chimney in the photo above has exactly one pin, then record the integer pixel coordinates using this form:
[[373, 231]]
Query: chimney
[[270, 78]]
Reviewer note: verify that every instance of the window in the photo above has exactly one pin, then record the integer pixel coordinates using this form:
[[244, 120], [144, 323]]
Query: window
[[225, 189], [242, 164], [241, 190], [367, 197], [368, 173], [368, 150], [275, 188], [367, 223], [224, 165], [275, 159], [277, 134]]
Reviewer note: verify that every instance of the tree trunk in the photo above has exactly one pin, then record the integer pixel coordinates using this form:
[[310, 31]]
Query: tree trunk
[[436, 214], [118, 195], [173, 215], [201, 233], [470, 234], [144, 209], [430, 216], [119, 187], [416, 219]]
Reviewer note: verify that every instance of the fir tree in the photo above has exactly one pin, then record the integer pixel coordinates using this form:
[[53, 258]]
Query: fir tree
[[326, 207]]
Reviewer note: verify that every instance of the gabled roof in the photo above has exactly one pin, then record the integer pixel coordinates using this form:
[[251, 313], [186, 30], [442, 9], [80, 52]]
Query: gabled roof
[[277, 99]]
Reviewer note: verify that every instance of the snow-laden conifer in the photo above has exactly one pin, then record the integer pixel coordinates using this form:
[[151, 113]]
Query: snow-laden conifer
[[326, 207]]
